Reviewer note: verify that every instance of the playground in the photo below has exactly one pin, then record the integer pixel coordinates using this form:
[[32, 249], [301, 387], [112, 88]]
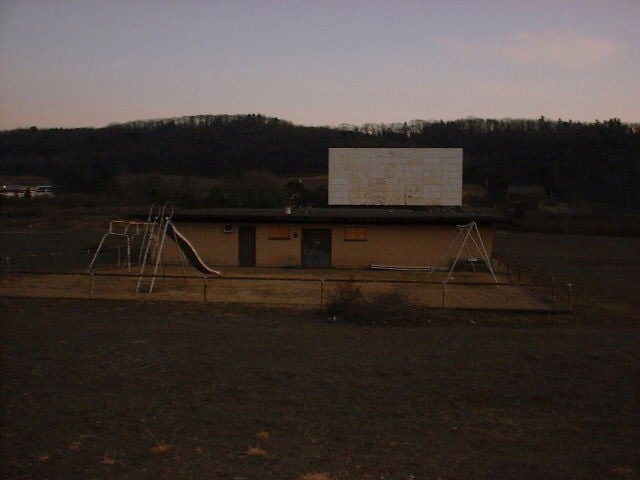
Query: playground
[[127, 263]]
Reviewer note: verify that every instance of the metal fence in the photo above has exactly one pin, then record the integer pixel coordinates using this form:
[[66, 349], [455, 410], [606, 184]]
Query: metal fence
[[291, 289]]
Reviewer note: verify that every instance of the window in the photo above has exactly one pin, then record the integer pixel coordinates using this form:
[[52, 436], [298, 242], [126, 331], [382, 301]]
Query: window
[[279, 232], [228, 229], [355, 234]]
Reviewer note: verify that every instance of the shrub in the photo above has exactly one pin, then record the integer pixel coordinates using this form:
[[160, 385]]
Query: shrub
[[389, 308]]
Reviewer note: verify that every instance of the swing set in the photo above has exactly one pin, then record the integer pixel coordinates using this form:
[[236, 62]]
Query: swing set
[[467, 237]]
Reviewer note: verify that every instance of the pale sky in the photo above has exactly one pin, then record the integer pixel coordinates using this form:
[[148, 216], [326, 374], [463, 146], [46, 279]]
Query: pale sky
[[73, 63]]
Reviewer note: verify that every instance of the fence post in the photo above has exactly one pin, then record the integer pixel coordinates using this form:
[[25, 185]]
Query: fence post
[[569, 295], [8, 264], [444, 294], [322, 291], [91, 285], [204, 288]]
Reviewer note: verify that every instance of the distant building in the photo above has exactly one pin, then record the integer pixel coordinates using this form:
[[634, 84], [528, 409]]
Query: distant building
[[27, 191], [14, 191], [47, 191]]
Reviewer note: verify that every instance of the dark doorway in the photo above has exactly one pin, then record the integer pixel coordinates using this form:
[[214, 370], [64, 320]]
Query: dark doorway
[[316, 247], [247, 246]]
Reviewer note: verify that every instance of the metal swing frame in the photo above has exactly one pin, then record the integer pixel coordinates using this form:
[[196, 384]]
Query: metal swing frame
[[468, 234]]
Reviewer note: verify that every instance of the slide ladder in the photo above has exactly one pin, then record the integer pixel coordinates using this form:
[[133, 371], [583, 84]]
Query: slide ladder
[[154, 241]]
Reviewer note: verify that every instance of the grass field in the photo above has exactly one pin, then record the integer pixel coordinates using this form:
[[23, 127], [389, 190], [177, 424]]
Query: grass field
[[137, 389]]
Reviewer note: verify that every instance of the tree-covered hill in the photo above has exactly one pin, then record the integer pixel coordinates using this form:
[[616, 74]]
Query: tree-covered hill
[[576, 162]]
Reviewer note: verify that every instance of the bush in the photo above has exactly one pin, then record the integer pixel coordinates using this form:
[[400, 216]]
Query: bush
[[391, 308]]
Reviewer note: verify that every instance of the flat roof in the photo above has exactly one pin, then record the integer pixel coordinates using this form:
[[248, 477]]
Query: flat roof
[[397, 216]]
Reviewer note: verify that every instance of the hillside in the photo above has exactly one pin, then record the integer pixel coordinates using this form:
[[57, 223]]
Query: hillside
[[574, 162]]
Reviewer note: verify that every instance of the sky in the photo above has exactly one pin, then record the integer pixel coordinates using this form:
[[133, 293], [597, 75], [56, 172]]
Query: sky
[[74, 63]]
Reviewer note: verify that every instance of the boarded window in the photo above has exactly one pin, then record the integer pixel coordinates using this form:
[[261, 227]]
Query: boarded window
[[356, 234], [279, 232]]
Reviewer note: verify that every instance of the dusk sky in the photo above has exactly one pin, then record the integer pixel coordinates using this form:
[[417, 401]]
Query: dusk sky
[[66, 63]]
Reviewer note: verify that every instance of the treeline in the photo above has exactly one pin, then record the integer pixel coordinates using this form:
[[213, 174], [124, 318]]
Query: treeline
[[575, 162]]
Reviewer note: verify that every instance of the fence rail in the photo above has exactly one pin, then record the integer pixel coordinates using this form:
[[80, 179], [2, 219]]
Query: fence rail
[[514, 269], [559, 294], [7, 262]]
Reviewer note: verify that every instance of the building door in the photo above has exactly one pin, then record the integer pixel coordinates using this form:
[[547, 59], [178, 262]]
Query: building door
[[316, 247], [247, 246]]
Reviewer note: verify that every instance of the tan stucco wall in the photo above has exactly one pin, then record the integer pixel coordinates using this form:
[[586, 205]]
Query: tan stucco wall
[[277, 253], [405, 245]]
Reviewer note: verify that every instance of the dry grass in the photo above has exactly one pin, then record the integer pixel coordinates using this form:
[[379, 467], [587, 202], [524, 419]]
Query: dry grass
[[107, 460], [354, 402], [160, 449], [74, 446], [315, 476], [621, 472], [256, 452]]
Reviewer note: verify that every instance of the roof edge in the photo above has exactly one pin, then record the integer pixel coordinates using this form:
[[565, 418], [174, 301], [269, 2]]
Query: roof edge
[[333, 215]]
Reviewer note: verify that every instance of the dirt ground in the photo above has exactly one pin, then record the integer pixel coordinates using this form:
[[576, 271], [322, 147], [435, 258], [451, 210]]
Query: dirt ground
[[138, 389]]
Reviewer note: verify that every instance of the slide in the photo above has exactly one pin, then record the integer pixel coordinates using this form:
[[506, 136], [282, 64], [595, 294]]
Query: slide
[[185, 246]]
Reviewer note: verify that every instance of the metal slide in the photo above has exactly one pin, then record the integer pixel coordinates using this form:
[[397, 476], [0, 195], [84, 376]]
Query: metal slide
[[189, 252]]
